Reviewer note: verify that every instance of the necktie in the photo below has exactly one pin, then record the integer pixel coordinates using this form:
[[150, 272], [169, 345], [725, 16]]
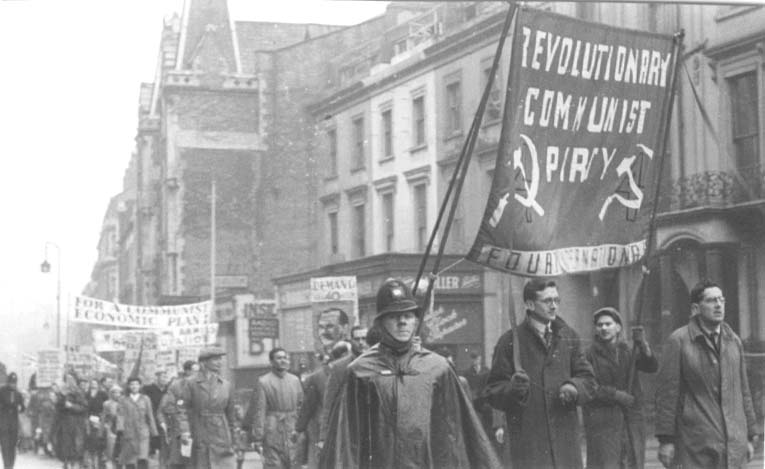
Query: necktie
[[715, 343], [548, 336]]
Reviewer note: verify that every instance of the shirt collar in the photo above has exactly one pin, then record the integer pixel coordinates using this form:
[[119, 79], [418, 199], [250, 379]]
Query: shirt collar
[[539, 326], [697, 329]]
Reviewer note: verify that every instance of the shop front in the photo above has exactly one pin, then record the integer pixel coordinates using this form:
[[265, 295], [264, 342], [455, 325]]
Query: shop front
[[456, 321]]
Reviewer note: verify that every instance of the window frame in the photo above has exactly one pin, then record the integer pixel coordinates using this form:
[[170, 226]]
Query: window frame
[[386, 132], [419, 136], [453, 102], [332, 152], [388, 220], [358, 140], [420, 215], [358, 232]]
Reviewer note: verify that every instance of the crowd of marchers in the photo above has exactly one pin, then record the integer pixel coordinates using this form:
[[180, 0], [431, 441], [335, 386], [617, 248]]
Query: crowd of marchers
[[380, 399]]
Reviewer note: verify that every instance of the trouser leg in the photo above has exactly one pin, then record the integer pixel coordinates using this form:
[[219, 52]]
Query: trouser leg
[[8, 447]]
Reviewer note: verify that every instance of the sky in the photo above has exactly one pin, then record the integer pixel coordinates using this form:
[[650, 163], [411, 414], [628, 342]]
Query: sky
[[70, 73]]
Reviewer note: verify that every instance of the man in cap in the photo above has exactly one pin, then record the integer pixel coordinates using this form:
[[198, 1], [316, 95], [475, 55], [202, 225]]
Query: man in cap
[[403, 406], [206, 415], [540, 398], [279, 395], [704, 412], [11, 404], [613, 419]]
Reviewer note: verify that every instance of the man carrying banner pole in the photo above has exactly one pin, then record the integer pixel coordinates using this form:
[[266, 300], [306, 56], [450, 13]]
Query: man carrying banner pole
[[540, 397]]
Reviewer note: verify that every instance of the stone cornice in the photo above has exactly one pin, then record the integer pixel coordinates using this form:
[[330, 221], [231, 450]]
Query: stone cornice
[[386, 184]]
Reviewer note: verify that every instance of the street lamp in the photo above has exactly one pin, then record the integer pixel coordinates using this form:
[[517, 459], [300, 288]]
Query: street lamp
[[45, 268]]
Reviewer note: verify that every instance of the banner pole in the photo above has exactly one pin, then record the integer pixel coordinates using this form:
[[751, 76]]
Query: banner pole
[[458, 180], [643, 294], [463, 160], [213, 196]]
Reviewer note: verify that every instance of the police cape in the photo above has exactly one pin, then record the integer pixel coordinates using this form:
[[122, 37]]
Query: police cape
[[404, 411]]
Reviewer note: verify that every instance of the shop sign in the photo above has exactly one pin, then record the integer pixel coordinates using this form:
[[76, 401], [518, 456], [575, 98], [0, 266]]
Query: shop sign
[[257, 329], [231, 281], [453, 322], [333, 289]]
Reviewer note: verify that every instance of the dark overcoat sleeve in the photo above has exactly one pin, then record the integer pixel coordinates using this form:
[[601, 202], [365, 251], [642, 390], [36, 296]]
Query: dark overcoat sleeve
[[497, 390]]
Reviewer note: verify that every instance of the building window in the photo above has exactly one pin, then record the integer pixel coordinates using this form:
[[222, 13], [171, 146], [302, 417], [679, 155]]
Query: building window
[[400, 46], [418, 121], [333, 238], [454, 108], [332, 143], [494, 104], [358, 143], [359, 229], [421, 216], [387, 133], [745, 120], [388, 220]]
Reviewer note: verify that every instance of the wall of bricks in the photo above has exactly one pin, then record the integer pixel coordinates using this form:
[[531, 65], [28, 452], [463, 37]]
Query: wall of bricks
[[298, 76]]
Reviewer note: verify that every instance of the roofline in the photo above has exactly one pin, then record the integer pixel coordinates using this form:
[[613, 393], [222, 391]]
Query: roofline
[[484, 30]]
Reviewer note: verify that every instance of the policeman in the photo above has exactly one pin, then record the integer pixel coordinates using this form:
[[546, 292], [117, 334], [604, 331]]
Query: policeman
[[414, 411]]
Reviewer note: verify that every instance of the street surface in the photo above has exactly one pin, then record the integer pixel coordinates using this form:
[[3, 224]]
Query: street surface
[[28, 461]]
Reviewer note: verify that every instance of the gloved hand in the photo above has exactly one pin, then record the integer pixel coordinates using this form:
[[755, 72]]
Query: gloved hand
[[624, 399], [519, 384], [667, 454], [499, 434], [568, 394]]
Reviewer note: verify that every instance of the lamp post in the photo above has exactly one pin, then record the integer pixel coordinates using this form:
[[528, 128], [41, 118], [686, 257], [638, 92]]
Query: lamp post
[[45, 268]]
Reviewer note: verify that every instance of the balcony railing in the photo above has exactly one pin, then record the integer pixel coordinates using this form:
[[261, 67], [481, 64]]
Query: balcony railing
[[717, 188]]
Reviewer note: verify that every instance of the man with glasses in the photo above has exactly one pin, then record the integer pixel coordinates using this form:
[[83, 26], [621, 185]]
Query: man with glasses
[[540, 398], [704, 412]]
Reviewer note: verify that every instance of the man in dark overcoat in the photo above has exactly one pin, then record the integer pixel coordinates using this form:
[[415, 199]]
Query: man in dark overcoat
[[613, 420], [540, 399]]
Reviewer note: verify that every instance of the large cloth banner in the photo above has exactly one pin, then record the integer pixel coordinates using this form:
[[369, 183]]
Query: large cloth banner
[[117, 340], [94, 311], [578, 158]]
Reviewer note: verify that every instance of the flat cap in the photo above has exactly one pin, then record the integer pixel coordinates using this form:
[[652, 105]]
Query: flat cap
[[610, 312], [210, 352]]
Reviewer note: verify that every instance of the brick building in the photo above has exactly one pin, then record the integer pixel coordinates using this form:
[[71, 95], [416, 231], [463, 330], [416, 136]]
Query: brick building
[[333, 146]]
